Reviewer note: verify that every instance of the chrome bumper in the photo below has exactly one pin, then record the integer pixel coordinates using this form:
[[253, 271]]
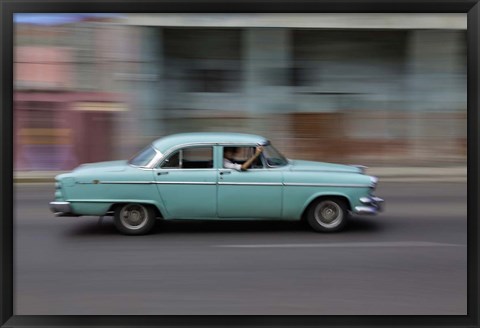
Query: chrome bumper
[[61, 209], [371, 205]]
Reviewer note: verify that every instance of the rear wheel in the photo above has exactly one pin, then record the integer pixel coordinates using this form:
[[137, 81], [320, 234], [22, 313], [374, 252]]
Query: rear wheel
[[328, 214], [134, 219]]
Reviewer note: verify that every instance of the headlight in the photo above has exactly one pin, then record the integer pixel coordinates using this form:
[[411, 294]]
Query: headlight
[[373, 182], [58, 191]]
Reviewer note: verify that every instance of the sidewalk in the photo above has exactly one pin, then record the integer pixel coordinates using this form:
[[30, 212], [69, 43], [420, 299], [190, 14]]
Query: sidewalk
[[386, 174], [420, 174]]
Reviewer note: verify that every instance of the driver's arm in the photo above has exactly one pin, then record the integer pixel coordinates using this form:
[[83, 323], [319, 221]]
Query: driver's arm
[[249, 162]]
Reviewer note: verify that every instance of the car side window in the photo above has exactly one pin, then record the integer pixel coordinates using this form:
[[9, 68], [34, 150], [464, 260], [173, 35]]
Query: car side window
[[243, 153], [190, 158], [172, 162]]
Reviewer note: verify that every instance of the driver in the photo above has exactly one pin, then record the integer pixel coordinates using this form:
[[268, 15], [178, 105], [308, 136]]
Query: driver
[[229, 155]]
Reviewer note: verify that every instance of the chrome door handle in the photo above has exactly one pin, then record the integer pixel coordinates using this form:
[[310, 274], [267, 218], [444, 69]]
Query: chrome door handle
[[225, 172], [162, 173]]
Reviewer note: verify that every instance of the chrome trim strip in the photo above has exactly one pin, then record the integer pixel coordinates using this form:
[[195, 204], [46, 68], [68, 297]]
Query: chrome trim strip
[[222, 169], [142, 168], [186, 182], [155, 158], [202, 143], [325, 185], [182, 170], [372, 205], [365, 200], [98, 200], [371, 200], [157, 182], [125, 182], [366, 210], [267, 169], [237, 183], [251, 183]]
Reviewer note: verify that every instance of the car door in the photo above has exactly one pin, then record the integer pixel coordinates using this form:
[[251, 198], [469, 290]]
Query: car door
[[186, 181], [255, 193]]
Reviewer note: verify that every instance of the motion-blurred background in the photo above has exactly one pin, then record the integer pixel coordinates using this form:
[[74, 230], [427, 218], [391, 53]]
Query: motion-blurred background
[[371, 89], [384, 90]]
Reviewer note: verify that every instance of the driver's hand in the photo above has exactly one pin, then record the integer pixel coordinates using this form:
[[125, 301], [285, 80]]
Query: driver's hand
[[258, 150]]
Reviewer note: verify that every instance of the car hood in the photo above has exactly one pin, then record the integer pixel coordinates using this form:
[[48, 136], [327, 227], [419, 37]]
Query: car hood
[[297, 165], [110, 166]]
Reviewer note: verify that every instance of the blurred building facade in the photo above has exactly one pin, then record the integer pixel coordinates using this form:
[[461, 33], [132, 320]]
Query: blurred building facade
[[380, 90], [384, 92], [64, 109]]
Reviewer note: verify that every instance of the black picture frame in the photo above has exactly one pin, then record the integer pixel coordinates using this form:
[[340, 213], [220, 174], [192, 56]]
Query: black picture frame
[[9, 7]]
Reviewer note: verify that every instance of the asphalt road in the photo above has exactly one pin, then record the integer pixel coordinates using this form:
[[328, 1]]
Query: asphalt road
[[412, 259]]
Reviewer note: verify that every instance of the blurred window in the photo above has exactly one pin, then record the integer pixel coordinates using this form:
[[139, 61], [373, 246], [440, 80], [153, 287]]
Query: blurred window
[[298, 76], [339, 65], [40, 115], [206, 43], [213, 80], [204, 60], [190, 158]]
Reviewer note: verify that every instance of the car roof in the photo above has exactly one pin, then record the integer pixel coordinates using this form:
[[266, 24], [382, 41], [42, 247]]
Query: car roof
[[165, 143]]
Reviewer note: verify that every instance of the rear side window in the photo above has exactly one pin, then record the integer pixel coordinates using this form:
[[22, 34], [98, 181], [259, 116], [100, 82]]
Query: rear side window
[[190, 158]]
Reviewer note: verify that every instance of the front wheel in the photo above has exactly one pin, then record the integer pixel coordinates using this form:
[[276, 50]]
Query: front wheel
[[134, 219], [328, 215]]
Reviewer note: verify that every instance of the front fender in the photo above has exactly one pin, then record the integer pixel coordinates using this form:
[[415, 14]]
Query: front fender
[[326, 194], [298, 198]]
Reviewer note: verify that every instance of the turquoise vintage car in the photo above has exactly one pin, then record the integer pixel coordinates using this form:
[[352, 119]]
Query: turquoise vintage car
[[182, 176]]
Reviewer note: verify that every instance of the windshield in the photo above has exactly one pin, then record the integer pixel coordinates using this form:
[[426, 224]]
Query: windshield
[[143, 157], [273, 156]]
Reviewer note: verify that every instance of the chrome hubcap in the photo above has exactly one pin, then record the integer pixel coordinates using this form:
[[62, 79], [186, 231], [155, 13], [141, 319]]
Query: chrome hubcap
[[133, 216], [328, 214]]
